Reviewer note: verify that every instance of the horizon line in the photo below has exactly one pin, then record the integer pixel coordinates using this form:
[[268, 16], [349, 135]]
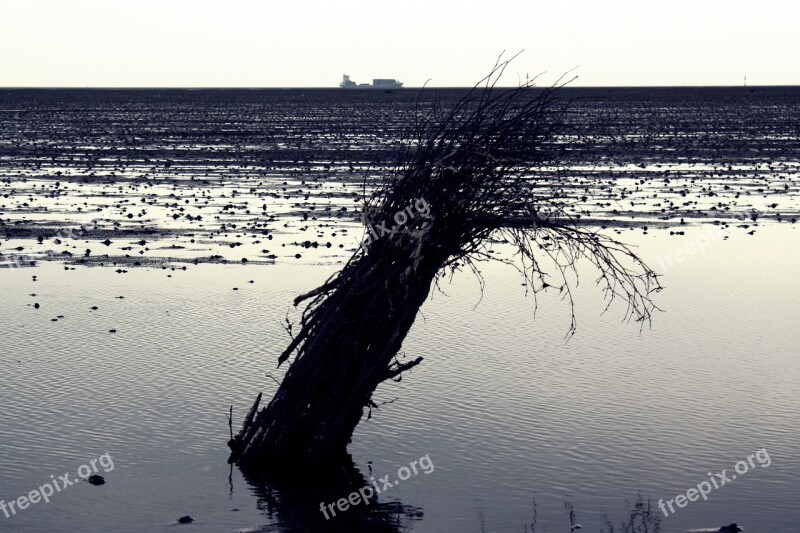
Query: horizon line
[[372, 89]]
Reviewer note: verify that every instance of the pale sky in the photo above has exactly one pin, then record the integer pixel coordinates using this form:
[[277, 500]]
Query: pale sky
[[288, 43]]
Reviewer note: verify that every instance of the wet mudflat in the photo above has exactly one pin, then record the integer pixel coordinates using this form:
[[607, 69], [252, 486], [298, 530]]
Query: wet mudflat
[[168, 176]]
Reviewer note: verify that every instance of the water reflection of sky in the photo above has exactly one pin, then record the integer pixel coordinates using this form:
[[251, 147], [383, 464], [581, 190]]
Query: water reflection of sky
[[506, 409]]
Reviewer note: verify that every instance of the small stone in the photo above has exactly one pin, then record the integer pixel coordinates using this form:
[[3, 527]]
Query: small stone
[[96, 480], [185, 519]]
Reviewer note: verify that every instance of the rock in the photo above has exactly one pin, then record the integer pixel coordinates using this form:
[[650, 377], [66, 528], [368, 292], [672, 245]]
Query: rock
[[732, 528], [96, 480], [185, 519]]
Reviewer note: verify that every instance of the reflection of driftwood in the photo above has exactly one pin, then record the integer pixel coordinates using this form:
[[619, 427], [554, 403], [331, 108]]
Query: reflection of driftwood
[[293, 502], [477, 168], [643, 517]]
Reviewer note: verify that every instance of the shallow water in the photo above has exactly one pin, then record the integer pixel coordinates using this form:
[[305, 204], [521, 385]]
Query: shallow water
[[506, 410], [184, 185]]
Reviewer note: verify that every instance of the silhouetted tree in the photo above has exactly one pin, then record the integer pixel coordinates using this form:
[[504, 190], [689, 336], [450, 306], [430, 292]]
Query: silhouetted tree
[[478, 171]]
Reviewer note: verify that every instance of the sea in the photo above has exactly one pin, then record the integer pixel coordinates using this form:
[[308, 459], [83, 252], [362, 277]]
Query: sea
[[152, 242]]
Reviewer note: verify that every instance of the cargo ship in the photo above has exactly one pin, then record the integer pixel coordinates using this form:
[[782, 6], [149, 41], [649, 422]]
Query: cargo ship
[[377, 83]]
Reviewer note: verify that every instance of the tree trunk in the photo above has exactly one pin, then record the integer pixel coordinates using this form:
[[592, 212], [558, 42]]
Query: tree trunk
[[322, 397]]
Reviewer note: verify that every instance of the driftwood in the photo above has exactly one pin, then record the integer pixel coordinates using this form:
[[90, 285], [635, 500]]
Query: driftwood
[[474, 173]]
